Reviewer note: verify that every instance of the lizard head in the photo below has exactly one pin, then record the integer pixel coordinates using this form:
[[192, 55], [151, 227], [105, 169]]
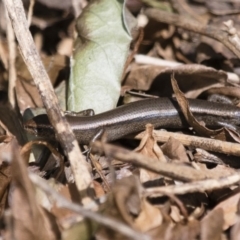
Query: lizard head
[[40, 126]]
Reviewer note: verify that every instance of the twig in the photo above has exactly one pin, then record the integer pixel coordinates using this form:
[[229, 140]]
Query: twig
[[12, 73], [199, 186], [62, 202], [3, 54], [189, 24], [99, 171], [182, 7], [224, 12], [171, 170], [143, 59], [43, 83], [30, 12], [198, 142]]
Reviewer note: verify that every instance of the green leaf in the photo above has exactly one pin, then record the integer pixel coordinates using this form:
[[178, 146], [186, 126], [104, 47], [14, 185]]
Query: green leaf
[[100, 53]]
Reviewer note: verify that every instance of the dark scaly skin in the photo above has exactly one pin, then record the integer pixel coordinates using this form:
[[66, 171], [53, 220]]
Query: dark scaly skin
[[132, 118]]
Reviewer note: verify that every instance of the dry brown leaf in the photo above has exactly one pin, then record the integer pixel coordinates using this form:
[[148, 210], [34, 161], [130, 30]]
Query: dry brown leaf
[[28, 95], [98, 189], [175, 150], [212, 225], [121, 173], [190, 231], [192, 121], [175, 214], [219, 171], [5, 171], [11, 122], [226, 91], [127, 197], [179, 231], [149, 217], [70, 192], [192, 79], [54, 64], [26, 91], [129, 206], [149, 147], [29, 219], [123, 204], [208, 48], [232, 136], [235, 231], [56, 155], [5, 178], [73, 226], [229, 209], [204, 156]]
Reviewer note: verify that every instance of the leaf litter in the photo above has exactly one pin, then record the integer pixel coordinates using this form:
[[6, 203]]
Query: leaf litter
[[168, 185]]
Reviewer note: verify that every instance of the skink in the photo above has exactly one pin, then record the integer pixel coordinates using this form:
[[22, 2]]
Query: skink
[[132, 118]]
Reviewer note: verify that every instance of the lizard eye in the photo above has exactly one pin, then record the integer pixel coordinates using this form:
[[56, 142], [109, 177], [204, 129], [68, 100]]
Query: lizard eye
[[30, 129]]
